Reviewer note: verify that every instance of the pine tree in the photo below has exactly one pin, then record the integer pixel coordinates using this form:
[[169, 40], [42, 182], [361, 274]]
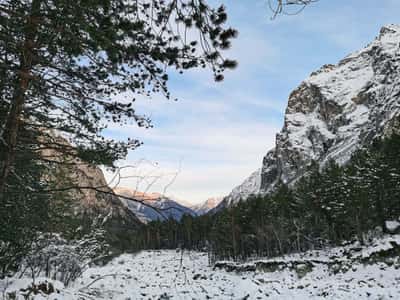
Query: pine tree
[[332, 200], [391, 152], [359, 208], [23, 213], [63, 62]]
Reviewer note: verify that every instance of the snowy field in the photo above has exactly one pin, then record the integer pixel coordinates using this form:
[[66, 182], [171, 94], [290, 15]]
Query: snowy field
[[171, 275]]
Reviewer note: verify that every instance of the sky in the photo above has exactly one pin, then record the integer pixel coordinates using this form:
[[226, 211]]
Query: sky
[[216, 134]]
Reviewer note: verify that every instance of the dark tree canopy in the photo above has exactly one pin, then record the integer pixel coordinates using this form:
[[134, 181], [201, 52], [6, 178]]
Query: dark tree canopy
[[62, 62]]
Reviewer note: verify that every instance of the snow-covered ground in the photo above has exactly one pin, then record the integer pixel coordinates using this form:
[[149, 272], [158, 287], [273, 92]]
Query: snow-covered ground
[[365, 274]]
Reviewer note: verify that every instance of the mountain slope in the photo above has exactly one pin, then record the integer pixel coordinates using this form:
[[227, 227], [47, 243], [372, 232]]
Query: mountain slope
[[335, 111], [165, 207], [250, 186], [95, 201]]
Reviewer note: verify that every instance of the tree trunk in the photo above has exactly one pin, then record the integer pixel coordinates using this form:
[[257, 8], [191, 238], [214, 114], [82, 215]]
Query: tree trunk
[[10, 133], [380, 207], [234, 244]]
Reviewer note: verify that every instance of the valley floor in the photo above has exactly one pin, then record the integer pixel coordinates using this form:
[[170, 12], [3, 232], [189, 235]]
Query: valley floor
[[341, 273]]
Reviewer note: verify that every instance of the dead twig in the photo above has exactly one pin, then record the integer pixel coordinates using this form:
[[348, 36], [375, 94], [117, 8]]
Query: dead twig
[[288, 7]]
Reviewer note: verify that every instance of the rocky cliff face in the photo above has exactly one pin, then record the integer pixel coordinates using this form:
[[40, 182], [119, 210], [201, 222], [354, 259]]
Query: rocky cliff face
[[338, 109], [96, 200], [119, 222]]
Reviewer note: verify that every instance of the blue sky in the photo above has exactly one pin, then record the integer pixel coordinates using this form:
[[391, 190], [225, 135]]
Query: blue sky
[[218, 133]]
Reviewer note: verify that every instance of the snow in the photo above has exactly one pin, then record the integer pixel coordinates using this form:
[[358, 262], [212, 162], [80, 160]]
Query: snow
[[339, 84], [152, 206], [250, 186], [392, 225], [206, 206], [172, 274], [342, 83]]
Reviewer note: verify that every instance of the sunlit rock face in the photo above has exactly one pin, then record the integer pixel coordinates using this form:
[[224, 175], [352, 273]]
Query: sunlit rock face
[[335, 111]]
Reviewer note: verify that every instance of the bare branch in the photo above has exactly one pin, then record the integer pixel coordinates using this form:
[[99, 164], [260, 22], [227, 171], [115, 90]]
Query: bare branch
[[288, 7]]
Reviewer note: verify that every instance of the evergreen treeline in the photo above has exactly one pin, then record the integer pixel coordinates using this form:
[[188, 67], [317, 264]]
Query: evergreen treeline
[[324, 208]]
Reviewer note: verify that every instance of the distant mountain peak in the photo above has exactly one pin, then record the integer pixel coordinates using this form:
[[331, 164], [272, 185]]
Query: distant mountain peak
[[132, 193], [164, 207], [207, 205]]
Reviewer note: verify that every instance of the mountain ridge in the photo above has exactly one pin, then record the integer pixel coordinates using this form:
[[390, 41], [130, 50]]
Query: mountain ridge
[[153, 206]]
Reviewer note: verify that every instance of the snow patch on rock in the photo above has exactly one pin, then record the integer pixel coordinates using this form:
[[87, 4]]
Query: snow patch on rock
[[250, 186]]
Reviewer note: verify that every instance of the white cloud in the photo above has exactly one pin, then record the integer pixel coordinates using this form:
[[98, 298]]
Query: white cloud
[[212, 157]]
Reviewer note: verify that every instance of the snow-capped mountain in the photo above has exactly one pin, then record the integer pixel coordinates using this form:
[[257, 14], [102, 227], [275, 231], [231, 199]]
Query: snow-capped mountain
[[207, 205], [153, 206], [335, 111]]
